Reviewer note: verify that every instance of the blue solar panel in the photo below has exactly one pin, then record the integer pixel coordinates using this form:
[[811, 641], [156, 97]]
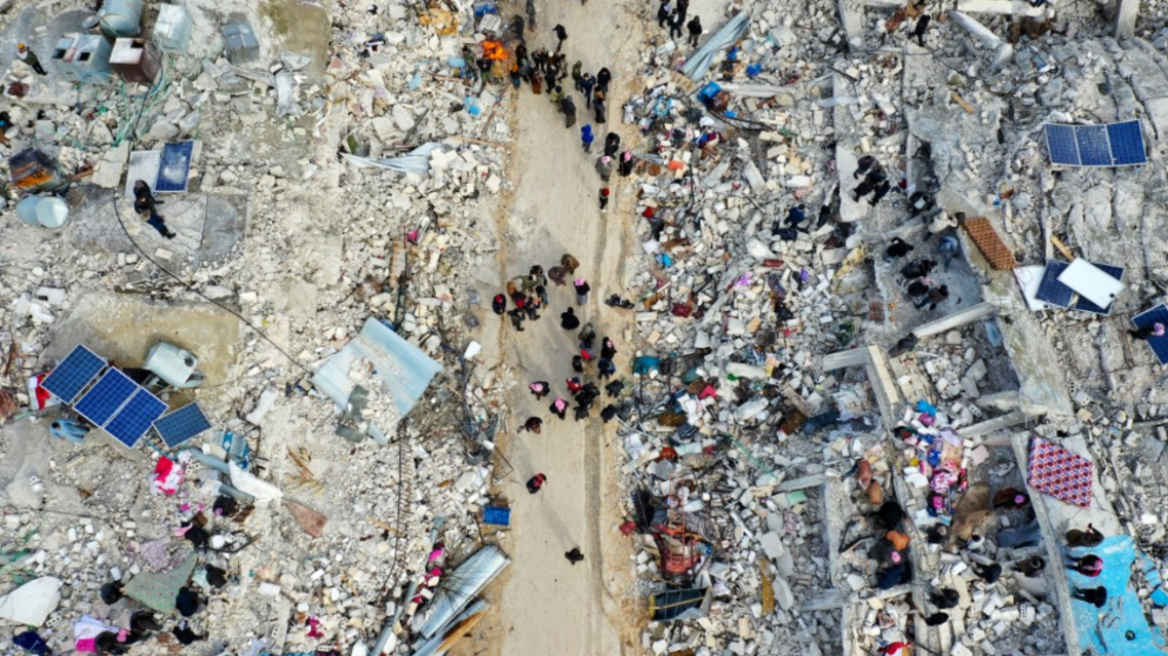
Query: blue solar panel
[[1083, 305], [77, 370], [133, 420], [1094, 148], [105, 398], [1127, 143], [1060, 143], [1158, 314], [1051, 290], [1114, 144], [182, 424]]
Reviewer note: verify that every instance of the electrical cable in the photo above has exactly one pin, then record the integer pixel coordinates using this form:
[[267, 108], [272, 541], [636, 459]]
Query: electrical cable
[[189, 287]]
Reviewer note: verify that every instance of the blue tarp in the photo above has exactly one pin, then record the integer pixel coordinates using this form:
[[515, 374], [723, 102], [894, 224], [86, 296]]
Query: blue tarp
[[1104, 630], [405, 371], [497, 516]]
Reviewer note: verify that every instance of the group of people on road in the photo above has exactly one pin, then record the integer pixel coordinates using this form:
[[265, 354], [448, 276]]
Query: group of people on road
[[543, 69], [592, 359]]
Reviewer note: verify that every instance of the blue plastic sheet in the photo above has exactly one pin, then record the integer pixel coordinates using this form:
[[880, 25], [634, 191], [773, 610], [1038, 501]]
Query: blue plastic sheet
[[1105, 630]]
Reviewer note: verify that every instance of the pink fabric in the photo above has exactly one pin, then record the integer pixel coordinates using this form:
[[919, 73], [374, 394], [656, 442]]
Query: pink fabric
[[86, 645]]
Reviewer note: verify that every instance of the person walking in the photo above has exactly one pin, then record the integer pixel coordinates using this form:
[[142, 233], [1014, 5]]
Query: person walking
[[607, 349], [682, 8], [606, 368], [569, 320], [69, 430], [577, 73], [863, 165], [603, 200], [517, 316], [935, 297], [1147, 332], [611, 144], [604, 167], [586, 137], [536, 483], [574, 556], [897, 248], [561, 35], [540, 389], [603, 77], [919, 31], [663, 13], [559, 408], [598, 113], [582, 289], [29, 57], [533, 424], [585, 85], [675, 23], [146, 208], [626, 165], [568, 107], [570, 263], [1089, 565], [1095, 596], [695, 30]]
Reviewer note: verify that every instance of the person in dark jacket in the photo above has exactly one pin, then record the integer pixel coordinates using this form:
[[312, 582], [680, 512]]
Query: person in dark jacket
[[569, 320], [917, 269], [936, 296], [919, 30], [582, 289], [611, 144], [897, 248], [586, 84], [561, 35], [614, 388], [626, 164], [607, 349], [695, 31], [574, 556], [144, 205], [1094, 596], [559, 408], [603, 77], [499, 304]]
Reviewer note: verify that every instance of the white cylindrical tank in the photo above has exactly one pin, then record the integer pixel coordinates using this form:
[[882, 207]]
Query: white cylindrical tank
[[121, 18]]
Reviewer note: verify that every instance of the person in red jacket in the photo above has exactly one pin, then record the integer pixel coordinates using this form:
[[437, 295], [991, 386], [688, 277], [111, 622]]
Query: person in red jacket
[[536, 483]]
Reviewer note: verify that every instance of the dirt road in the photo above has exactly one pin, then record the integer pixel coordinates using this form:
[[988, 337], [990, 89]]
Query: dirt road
[[544, 605]]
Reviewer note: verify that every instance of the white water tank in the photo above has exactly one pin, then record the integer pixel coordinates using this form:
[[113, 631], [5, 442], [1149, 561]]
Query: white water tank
[[172, 364]]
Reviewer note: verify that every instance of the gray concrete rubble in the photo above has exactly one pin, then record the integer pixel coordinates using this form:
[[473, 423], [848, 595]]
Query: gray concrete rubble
[[792, 377]]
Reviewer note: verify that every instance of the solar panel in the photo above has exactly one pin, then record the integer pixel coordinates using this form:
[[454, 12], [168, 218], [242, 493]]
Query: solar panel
[[1127, 143], [1159, 345], [1114, 144], [1094, 148], [182, 425], [1051, 290], [1083, 305], [77, 370], [1060, 143], [135, 418], [105, 398]]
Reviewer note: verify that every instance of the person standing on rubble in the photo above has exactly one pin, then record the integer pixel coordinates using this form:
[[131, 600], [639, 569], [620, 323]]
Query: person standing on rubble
[[948, 249], [69, 430], [897, 248], [561, 35], [919, 30], [1147, 332], [29, 57], [933, 298], [795, 216], [146, 208], [695, 30], [881, 191], [582, 289]]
